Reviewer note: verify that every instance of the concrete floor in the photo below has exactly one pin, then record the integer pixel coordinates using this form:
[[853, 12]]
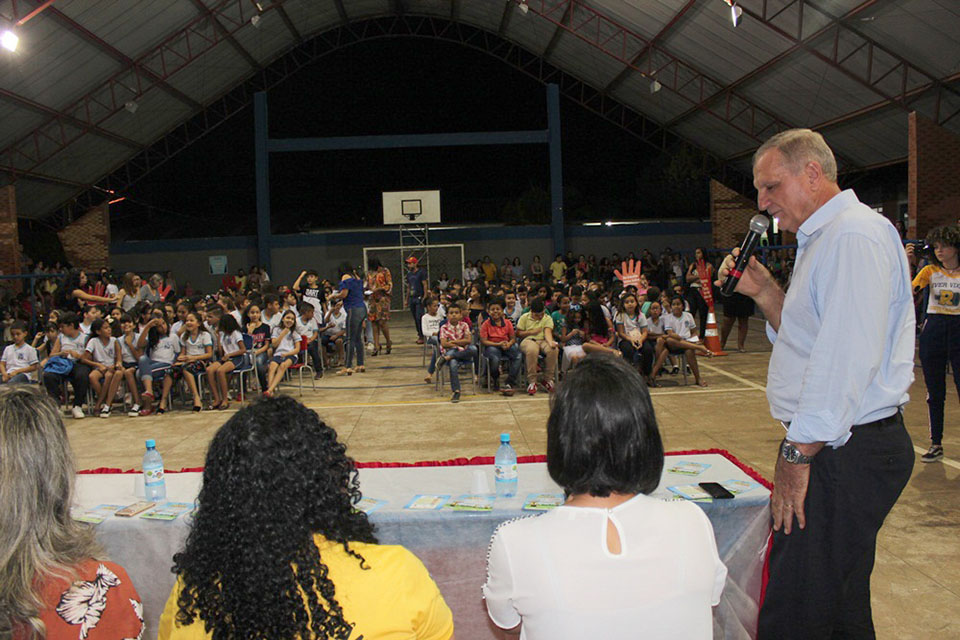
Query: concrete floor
[[389, 414]]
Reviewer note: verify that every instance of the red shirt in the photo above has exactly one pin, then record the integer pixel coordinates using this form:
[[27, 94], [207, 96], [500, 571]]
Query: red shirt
[[497, 333], [101, 601], [450, 333]]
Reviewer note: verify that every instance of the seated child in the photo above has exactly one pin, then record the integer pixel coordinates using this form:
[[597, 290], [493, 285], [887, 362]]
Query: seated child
[[500, 341], [19, 362], [103, 356], [456, 342], [679, 327]]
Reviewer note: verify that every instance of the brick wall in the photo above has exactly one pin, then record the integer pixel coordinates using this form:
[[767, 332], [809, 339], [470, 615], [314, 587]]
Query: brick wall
[[934, 176], [730, 215], [9, 237], [86, 240]]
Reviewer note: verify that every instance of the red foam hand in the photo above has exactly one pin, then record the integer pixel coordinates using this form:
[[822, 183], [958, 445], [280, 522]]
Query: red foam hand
[[630, 276]]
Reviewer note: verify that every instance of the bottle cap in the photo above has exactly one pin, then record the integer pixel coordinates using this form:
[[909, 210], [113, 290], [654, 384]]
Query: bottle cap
[[504, 437], [151, 444]]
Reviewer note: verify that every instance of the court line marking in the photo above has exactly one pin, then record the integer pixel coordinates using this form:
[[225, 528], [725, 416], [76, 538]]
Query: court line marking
[[946, 461], [465, 399], [732, 376]]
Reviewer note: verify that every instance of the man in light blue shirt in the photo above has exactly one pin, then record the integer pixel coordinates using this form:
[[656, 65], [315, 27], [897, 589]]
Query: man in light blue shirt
[[842, 362]]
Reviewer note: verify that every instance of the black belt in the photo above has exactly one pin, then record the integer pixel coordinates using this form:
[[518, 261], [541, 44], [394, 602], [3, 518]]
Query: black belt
[[882, 422]]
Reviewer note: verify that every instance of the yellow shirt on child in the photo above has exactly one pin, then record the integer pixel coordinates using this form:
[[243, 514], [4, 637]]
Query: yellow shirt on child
[[944, 290]]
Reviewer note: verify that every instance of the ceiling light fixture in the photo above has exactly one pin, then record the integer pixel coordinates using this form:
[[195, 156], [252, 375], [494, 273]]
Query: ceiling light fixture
[[131, 106], [524, 7], [9, 40], [655, 86], [255, 21]]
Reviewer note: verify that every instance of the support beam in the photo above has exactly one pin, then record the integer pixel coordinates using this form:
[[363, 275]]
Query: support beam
[[564, 20], [406, 141], [289, 24], [42, 177], [344, 18], [675, 75], [508, 7], [557, 225], [68, 119], [614, 84], [151, 69], [206, 11], [262, 162], [65, 21], [130, 170]]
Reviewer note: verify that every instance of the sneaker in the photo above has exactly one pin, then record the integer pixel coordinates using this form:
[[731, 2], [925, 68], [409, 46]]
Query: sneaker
[[689, 370], [77, 413], [146, 412], [134, 411], [532, 389], [455, 398], [548, 386], [934, 453], [318, 375], [506, 390], [105, 411], [675, 371]]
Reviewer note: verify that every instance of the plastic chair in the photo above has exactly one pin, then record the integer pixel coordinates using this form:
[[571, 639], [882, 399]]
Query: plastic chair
[[302, 364], [249, 364]]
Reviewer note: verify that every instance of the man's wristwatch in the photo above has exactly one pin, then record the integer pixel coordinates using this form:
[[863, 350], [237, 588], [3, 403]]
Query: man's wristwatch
[[792, 455]]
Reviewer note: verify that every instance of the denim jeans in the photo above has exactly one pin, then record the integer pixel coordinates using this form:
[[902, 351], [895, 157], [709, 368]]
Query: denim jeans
[[148, 368], [467, 354], [263, 362], [431, 341], [20, 378], [416, 310], [355, 318], [496, 354]]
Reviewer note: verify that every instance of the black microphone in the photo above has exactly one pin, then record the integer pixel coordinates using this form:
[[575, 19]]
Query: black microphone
[[758, 226]]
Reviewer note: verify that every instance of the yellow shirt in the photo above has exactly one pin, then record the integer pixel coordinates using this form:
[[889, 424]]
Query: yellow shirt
[[557, 269], [527, 323], [944, 290], [396, 599]]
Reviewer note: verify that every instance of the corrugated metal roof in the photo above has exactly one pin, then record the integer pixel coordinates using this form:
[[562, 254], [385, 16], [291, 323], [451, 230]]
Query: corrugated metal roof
[[62, 69]]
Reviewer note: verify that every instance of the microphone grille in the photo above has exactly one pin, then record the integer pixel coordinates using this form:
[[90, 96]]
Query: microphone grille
[[759, 223]]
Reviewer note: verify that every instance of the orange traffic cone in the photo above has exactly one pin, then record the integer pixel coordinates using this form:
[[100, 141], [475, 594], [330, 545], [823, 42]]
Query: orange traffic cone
[[711, 337]]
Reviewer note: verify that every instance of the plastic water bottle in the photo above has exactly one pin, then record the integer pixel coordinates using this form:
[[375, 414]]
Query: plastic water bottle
[[154, 484], [505, 468]]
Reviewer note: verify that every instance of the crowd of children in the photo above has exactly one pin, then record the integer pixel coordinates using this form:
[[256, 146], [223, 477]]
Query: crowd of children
[[132, 338]]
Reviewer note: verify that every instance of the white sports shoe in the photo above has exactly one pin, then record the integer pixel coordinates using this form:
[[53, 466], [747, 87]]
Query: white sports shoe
[[77, 413]]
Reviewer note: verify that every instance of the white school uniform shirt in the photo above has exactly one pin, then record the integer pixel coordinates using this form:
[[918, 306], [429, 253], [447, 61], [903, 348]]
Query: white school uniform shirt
[[196, 346], [16, 358], [441, 311], [339, 321], [166, 350], [656, 328], [77, 345], [308, 328], [175, 328], [430, 325], [85, 328], [555, 573], [274, 320], [126, 353], [289, 344], [103, 354], [237, 316], [112, 289], [631, 325], [682, 326], [230, 343], [515, 314]]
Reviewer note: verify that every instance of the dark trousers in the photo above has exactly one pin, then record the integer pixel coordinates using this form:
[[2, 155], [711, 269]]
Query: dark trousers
[[642, 356], [820, 576], [698, 309], [79, 377], [313, 348], [416, 310], [939, 344], [495, 354]]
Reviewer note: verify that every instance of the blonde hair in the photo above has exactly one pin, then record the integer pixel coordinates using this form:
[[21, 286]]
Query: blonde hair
[[800, 146], [38, 539]]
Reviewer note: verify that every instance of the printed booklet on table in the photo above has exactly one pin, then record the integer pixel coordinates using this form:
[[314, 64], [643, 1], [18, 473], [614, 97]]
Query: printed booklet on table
[[471, 502], [543, 501], [427, 502], [687, 468], [97, 514], [168, 511]]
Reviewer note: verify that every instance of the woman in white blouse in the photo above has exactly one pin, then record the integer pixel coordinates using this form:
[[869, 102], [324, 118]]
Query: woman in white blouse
[[612, 562]]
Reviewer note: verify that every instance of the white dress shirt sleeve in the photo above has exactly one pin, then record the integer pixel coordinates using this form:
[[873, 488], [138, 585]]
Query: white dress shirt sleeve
[[852, 302]]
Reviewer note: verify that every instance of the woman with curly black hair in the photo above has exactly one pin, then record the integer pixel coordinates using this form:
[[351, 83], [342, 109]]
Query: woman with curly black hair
[[277, 550]]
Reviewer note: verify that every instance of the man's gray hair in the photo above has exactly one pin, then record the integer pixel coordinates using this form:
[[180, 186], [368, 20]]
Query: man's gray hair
[[800, 146]]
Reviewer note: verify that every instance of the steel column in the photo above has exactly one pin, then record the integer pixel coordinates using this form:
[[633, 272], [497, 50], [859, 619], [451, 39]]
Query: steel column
[[556, 169], [262, 161]]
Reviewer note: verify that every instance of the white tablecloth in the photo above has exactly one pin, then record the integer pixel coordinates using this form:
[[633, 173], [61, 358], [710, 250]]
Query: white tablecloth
[[451, 544]]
